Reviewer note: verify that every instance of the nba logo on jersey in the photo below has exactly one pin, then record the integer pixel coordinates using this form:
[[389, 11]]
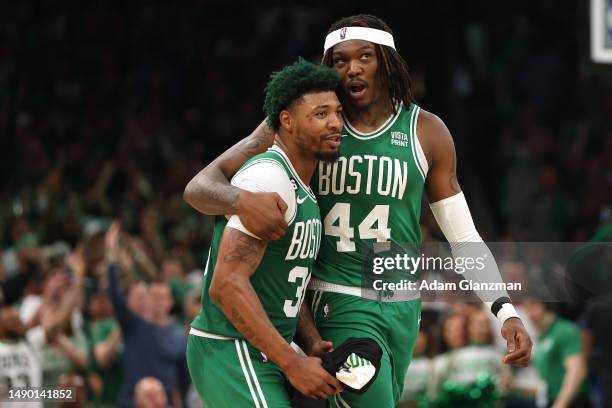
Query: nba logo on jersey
[[326, 311], [294, 184], [343, 33]]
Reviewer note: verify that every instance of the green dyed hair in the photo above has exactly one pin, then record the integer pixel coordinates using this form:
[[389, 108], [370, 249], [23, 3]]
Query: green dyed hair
[[294, 81]]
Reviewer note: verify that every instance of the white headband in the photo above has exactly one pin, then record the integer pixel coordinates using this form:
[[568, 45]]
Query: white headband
[[358, 33]]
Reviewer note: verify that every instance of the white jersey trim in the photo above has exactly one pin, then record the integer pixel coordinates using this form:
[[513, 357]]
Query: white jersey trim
[[419, 150], [371, 135], [208, 335], [283, 156], [207, 262]]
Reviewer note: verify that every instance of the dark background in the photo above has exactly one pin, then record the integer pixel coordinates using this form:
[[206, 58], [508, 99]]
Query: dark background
[[108, 108], [151, 92]]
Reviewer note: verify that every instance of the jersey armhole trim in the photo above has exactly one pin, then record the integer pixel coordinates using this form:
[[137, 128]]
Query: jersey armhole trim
[[294, 214], [417, 149], [280, 153], [382, 129]]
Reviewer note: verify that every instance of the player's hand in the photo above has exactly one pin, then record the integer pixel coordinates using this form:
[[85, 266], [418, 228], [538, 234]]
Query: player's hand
[[263, 214], [309, 377], [519, 343], [319, 348]]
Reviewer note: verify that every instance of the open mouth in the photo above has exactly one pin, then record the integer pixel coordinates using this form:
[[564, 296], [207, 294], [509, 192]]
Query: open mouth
[[333, 140], [356, 89]]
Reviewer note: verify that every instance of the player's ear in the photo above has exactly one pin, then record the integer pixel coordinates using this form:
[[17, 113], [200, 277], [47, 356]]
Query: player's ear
[[286, 121]]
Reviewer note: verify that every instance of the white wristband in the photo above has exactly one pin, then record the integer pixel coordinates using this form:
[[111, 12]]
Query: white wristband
[[506, 312]]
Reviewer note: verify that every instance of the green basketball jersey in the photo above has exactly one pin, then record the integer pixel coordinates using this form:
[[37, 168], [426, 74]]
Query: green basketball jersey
[[283, 274], [371, 194]]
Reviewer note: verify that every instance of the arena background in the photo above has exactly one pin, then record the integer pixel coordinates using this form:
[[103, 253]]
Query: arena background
[[107, 109]]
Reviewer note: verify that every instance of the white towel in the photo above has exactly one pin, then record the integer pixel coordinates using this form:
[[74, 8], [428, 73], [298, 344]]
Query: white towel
[[356, 371]]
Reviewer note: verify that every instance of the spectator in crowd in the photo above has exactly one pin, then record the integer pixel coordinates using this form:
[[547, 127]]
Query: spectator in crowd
[[482, 354], [106, 375], [454, 337], [139, 299], [191, 307], [21, 262], [67, 351], [75, 383], [152, 346], [559, 357], [95, 127], [419, 374], [21, 345], [597, 321], [174, 274], [192, 304], [149, 393], [471, 357]]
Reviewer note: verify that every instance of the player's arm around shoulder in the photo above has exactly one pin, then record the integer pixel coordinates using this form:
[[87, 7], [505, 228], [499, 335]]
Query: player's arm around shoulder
[[210, 191], [264, 177]]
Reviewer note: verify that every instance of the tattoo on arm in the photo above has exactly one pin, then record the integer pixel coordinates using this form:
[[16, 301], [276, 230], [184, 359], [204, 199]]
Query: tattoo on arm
[[223, 193], [246, 330], [256, 144], [232, 290], [241, 324], [244, 248], [210, 191], [250, 147], [306, 333]]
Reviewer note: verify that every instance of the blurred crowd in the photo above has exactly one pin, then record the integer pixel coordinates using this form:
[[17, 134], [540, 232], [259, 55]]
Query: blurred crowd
[[108, 108], [458, 362]]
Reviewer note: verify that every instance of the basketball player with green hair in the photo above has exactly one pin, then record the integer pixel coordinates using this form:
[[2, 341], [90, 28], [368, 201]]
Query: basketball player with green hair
[[239, 351], [392, 151]]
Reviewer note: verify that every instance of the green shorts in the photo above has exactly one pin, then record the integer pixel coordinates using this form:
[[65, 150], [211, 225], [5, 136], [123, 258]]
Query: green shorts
[[232, 373], [394, 325]]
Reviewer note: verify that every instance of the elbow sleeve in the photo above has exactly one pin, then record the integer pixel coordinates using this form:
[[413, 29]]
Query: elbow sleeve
[[453, 216]]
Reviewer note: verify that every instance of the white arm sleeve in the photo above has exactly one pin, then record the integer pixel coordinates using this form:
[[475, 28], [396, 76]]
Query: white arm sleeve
[[453, 216], [267, 176]]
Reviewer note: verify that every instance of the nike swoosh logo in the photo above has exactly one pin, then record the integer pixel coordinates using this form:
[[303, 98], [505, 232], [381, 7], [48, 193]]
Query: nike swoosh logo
[[302, 200]]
